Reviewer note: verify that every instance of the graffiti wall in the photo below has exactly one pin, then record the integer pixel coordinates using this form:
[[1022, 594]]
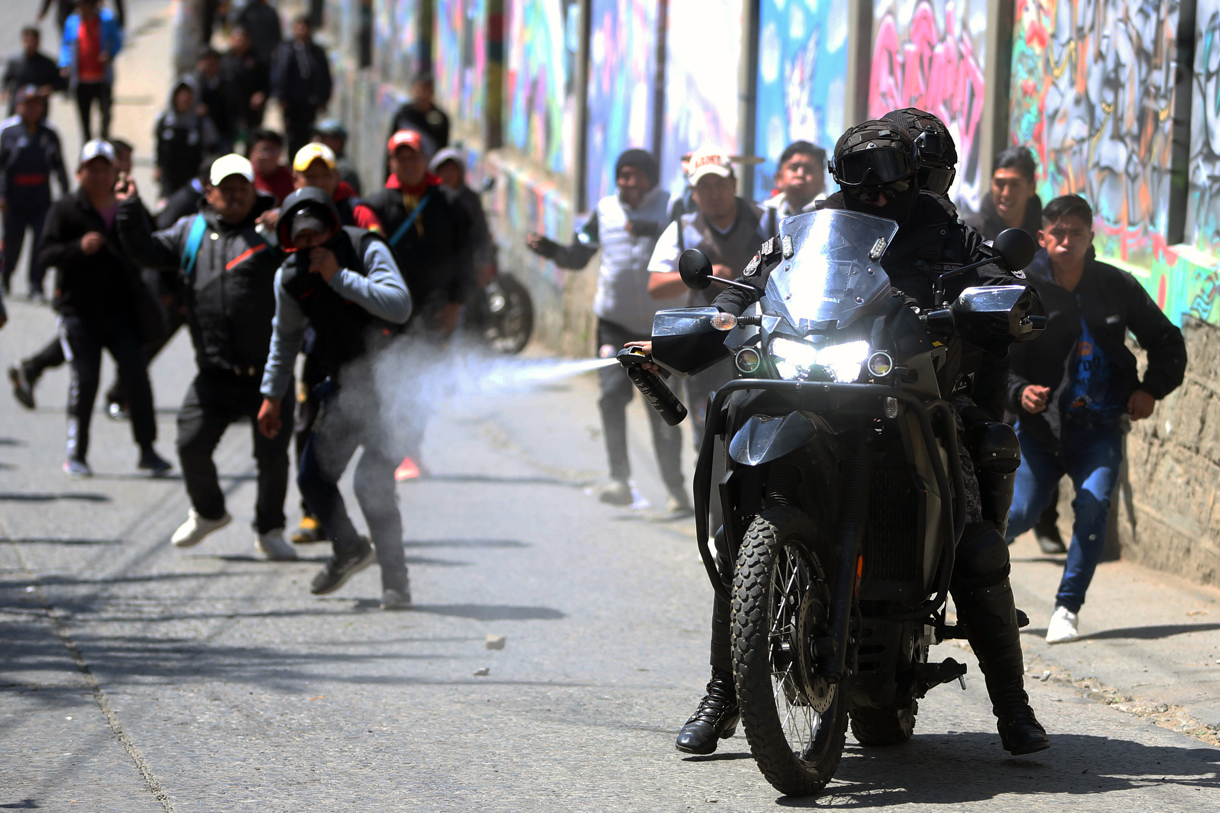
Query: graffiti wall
[[1203, 212], [802, 67], [461, 57], [703, 50], [1092, 96], [622, 71], [543, 39], [930, 54]]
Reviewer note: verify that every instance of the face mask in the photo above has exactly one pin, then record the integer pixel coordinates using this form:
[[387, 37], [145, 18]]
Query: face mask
[[898, 208]]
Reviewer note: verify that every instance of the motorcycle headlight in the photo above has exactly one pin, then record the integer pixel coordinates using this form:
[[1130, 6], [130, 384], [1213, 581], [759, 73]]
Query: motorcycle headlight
[[796, 360]]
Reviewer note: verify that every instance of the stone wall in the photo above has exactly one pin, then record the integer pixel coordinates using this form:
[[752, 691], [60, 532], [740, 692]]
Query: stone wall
[[1168, 516]]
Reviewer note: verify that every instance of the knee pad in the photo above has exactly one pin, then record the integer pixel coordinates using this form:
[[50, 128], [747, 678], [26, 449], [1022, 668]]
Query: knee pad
[[981, 558], [996, 453]]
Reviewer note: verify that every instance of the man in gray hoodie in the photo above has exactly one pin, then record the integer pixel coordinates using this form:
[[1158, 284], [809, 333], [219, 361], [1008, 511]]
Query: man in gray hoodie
[[625, 227]]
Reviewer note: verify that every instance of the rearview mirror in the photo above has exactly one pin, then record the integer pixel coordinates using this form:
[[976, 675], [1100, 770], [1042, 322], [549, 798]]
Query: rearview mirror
[[1015, 247], [695, 268]]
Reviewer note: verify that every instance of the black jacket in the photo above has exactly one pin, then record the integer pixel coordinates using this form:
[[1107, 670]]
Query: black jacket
[[435, 259], [434, 124], [1111, 302], [39, 70], [296, 84], [230, 293], [24, 158], [988, 222], [262, 23], [98, 286], [930, 243], [245, 75]]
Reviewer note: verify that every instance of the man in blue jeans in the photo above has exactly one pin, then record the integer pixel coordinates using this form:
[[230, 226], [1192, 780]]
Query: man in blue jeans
[[1076, 387]]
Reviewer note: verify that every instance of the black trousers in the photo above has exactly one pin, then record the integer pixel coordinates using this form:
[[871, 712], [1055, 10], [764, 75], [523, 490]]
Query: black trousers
[[348, 420], [26, 209], [52, 355], [616, 393], [86, 94], [298, 124], [216, 399], [86, 338]]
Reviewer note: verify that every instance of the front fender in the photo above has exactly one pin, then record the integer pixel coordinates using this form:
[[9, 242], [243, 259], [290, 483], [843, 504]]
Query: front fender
[[766, 437]]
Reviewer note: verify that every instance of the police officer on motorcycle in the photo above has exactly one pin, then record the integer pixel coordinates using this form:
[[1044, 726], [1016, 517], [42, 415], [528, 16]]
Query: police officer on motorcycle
[[876, 164]]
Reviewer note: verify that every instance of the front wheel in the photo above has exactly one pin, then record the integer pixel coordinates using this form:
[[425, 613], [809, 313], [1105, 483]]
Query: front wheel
[[795, 720]]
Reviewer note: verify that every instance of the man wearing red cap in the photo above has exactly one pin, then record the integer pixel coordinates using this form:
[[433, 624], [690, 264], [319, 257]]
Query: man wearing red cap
[[428, 231]]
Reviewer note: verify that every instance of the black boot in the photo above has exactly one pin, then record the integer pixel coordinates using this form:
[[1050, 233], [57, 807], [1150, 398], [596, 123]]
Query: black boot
[[714, 720], [990, 618]]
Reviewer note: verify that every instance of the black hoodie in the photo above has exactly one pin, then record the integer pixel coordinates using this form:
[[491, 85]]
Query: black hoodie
[[1111, 302]]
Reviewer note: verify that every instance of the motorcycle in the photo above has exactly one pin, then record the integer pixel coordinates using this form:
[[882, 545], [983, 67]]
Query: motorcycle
[[843, 497], [501, 313]]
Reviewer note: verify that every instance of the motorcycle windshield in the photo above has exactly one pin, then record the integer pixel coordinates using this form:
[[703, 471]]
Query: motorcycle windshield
[[831, 270]]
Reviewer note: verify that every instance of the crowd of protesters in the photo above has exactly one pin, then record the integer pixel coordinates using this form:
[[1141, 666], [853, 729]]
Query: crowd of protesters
[[260, 242]]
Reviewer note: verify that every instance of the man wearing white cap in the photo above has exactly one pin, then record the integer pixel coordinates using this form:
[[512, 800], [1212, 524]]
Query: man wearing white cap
[[227, 270], [97, 292]]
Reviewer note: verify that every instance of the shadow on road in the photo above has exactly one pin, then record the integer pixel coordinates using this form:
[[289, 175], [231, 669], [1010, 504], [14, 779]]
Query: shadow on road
[[42, 540], [952, 769], [1149, 633], [464, 543], [45, 496], [492, 612]]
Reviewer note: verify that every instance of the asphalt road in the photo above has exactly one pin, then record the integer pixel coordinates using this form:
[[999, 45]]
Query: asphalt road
[[138, 677]]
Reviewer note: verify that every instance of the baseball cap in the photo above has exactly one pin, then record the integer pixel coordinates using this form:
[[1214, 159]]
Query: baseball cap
[[406, 138], [709, 162], [447, 154], [307, 221], [312, 152], [330, 127], [96, 149], [28, 92], [231, 164]]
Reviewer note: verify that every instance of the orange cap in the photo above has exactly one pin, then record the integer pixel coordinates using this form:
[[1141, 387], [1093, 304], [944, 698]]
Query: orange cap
[[406, 138]]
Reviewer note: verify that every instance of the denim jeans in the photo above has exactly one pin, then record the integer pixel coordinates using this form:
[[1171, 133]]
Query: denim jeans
[[1091, 455]]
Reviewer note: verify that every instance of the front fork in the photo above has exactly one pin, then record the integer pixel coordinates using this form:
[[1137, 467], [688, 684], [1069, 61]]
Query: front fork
[[853, 520]]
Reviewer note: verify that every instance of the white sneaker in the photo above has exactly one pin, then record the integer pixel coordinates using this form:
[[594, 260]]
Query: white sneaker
[[273, 545], [192, 532], [1063, 626]]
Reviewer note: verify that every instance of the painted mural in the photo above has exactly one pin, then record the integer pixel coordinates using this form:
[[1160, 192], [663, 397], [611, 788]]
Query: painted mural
[[461, 57], [622, 71], [802, 68], [1092, 95], [703, 51], [1203, 212], [930, 54], [543, 40]]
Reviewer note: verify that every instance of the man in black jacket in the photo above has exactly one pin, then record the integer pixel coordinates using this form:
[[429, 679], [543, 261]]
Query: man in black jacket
[[228, 270], [300, 80], [30, 156], [249, 79], [97, 294], [1075, 387], [422, 115], [876, 166], [261, 20], [31, 67], [1013, 201]]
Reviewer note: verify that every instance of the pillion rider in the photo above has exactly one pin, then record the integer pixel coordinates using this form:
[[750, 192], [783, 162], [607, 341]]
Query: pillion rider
[[876, 165]]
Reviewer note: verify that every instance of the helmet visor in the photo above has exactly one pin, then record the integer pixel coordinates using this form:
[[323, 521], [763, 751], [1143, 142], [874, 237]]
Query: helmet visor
[[874, 167]]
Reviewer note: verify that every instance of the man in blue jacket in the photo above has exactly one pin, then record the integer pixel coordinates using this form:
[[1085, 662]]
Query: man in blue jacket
[[1076, 387], [92, 39]]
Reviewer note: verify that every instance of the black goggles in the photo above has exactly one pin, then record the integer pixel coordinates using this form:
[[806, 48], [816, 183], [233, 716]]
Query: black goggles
[[870, 193], [875, 167], [936, 179]]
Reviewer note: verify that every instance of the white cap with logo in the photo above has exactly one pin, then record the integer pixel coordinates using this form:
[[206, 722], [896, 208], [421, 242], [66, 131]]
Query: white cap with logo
[[709, 162], [231, 164], [97, 149]]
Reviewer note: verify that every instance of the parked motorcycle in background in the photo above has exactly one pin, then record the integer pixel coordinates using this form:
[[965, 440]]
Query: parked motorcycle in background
[[501, 314], [844, 497]]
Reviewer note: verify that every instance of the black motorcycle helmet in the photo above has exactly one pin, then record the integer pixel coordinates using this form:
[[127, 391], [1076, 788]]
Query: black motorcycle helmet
[[876, 158], [934, 147], [311, 202]]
